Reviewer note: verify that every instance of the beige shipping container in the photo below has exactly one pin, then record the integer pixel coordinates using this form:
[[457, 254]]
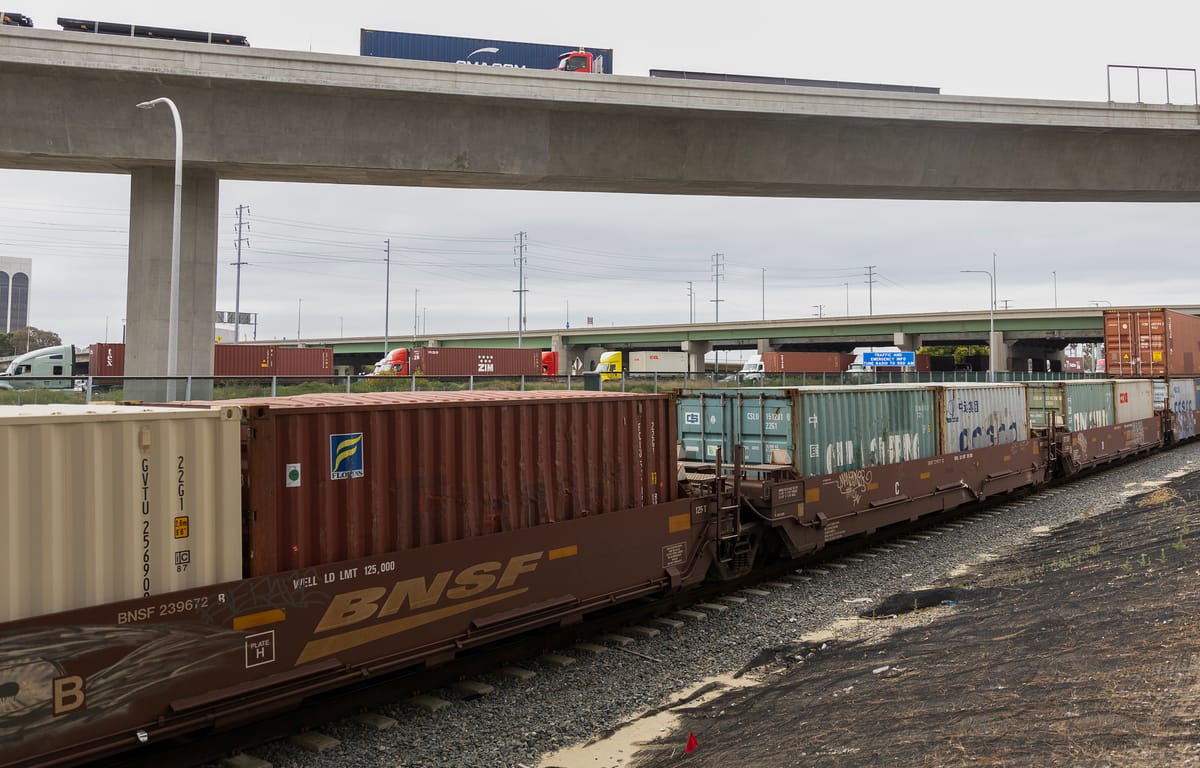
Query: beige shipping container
[[106, 503], [1133, 399]]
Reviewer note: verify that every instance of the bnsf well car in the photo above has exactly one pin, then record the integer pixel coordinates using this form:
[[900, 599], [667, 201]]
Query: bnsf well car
[[167, 568]]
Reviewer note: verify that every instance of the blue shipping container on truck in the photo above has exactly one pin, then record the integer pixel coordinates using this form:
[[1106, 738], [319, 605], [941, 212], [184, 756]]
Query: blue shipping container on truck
[[470, 50]]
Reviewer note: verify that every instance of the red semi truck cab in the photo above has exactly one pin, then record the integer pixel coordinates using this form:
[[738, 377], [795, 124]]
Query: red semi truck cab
[[580, 61], [395, 363]]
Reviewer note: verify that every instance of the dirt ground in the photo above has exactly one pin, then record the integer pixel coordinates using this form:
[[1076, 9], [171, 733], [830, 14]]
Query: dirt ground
[[1081, 650]]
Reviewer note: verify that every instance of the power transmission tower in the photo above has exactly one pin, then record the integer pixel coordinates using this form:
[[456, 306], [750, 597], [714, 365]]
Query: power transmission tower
[[870, 290], [242, 237], [718, 274], [521, 289]]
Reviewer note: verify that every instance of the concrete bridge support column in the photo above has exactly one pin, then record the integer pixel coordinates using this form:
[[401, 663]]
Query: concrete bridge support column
[[1000, 351], [696, 350], [148, 297], [909, 342], [764, 346], [568, 357], [567, 354]]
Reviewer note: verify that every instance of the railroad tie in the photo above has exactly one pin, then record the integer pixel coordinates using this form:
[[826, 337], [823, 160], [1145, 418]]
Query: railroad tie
[[471, 689], [374, 721], [313, 741], [518, 673], [429, 703]]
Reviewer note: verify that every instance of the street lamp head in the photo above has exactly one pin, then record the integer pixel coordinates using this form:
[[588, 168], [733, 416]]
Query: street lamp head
[[150, 104]]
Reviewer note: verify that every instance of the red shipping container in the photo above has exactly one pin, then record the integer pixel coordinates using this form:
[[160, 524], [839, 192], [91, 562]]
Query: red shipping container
[[1151, 343], [474, 361], [304, 361], [244, 359], [106, 359], [341, 476], [806, 362]]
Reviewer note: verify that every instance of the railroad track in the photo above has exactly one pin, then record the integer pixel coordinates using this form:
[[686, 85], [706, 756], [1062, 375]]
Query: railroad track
[[622, 630], [475, 675]]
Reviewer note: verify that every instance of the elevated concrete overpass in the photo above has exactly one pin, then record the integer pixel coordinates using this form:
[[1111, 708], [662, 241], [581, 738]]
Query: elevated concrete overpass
[[293, 116], [1021, 335]]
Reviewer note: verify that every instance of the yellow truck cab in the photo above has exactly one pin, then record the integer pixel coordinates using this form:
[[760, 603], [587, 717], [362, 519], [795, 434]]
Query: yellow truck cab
[[609, 366]]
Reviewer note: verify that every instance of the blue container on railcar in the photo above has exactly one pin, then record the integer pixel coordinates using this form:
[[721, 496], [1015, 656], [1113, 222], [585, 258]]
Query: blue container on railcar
[[470, 50], [818, 430], [1181, 399]]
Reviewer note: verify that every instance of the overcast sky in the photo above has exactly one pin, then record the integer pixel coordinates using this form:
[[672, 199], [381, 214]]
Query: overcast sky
[[316, 252]]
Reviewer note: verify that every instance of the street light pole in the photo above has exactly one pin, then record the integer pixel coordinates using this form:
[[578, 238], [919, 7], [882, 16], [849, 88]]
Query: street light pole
[[173, 312], [1054, 277], [387, 291], [991, 320]]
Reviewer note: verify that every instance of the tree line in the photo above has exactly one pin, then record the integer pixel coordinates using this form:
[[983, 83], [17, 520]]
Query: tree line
[[25, 340]]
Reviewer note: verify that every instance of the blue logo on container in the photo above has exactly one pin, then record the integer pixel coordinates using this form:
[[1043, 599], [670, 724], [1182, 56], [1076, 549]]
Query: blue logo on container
[[346, 456]]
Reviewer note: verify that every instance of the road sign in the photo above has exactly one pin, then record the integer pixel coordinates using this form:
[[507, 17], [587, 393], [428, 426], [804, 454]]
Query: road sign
[[889, 359]]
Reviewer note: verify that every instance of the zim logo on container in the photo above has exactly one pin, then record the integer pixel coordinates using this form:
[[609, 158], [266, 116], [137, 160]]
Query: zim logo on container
[[346, 456]]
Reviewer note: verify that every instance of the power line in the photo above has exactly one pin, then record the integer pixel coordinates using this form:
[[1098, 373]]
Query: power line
[[870, 289], [521, 289], [237, 294], [718, 274]]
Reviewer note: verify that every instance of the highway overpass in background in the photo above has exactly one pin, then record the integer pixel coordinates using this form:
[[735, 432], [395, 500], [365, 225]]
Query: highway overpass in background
[[1021, 334], [359, 120]]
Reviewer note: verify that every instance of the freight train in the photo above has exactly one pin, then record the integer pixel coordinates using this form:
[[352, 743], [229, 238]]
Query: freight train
[[173, 569]]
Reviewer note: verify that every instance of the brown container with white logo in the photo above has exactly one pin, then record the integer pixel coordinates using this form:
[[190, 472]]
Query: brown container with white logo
[[343, 476], [475, 361]]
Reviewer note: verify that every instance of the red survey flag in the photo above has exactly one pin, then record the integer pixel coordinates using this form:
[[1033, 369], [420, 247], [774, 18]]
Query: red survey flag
[[691, 745]]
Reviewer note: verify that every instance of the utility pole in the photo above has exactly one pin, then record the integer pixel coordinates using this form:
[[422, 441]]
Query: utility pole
[[237, 294], [416, 293], [387, 291], [691, 304], [847, 299], [1054, 277], [764, 293], [1005, 301], [521, 289], [718, 274], [870, 290], [820, 309]]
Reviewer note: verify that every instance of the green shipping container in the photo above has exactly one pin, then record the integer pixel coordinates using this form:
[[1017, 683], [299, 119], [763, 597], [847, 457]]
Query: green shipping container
[[1075, 405], [819, 430]]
